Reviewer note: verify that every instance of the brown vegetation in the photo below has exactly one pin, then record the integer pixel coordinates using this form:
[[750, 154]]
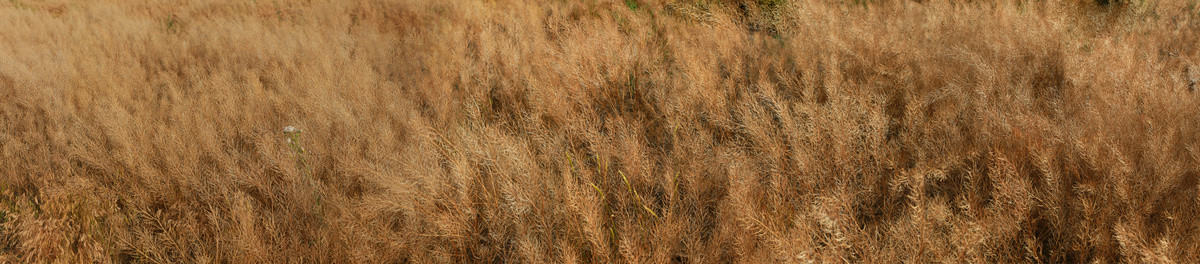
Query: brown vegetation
[[597, 131]]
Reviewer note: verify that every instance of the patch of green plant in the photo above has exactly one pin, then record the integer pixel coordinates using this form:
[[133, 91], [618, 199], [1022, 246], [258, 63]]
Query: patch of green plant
[[632, 4], [19, 5], [293, 140]]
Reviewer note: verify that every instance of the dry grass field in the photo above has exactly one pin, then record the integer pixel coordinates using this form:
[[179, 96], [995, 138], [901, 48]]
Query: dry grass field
[[599, 131]]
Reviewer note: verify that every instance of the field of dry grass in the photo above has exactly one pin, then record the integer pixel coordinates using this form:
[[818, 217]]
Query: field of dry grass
[[599, 131]]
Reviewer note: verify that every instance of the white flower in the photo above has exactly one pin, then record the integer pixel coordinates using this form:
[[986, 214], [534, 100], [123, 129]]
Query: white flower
[[289, 129]]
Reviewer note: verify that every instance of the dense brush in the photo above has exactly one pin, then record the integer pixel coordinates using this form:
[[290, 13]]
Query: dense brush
[[597, 131]]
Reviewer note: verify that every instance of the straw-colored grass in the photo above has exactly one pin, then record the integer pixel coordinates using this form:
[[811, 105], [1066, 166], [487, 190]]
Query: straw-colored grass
[[599, 131]]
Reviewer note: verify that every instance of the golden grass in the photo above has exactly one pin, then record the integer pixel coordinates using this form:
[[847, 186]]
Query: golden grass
[[597, 131]]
